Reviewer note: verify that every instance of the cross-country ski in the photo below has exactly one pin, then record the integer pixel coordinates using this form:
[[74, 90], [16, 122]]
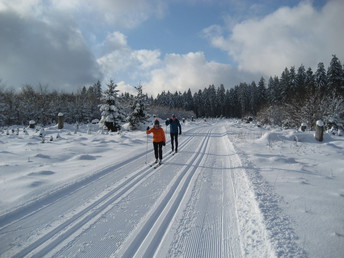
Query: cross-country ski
[[157, 165]]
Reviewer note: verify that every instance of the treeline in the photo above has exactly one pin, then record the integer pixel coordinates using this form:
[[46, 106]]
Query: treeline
[[42, 106], [297, 96]]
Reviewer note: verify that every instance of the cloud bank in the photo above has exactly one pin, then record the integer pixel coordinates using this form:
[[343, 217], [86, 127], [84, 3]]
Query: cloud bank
[[47, 42], [34, 52], [284, 38], [191, 71], [67, 44]]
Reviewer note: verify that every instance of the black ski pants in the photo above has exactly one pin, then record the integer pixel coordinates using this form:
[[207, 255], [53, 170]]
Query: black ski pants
[[174, 140], [158, 149]]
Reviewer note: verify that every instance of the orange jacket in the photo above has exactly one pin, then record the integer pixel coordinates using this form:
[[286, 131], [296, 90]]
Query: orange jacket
[[158, 134]]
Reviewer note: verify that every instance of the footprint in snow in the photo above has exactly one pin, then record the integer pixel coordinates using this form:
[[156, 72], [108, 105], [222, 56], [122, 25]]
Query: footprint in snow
[[42, 156], [36, 183], [42, 173], [86, 157]]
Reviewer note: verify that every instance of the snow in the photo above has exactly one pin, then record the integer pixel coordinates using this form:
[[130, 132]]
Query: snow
[[320, 123], [233, 190]]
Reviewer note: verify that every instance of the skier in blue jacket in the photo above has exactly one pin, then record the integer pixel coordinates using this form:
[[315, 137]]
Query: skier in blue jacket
[[174, 126]]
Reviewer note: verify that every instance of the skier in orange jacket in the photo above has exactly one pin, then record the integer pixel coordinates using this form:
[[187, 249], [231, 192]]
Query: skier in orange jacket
[[159, 140]]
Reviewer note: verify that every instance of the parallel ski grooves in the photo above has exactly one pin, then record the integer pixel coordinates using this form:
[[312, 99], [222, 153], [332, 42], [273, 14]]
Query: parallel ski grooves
[[46, 200], [145, 232], [70, 226]]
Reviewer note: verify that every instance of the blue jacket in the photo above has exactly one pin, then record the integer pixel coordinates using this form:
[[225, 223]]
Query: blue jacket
[[174, 125]]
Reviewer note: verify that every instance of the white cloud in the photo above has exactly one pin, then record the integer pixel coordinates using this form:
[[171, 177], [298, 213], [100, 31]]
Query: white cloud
[[41, 41], [38, 52], [173, 72], [192, 70], [146, 58], [122, 61], [287, 37], [122, 13], [124, 87]]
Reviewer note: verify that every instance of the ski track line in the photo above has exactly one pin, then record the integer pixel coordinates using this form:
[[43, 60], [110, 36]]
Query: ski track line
[[55, 236], [51, 197], [48, 198], [205, 233], [145, 241]]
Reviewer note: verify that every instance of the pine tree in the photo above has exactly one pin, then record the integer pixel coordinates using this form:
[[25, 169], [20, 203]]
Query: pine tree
[[285, 85], [300, 83], [111, 112], [335, 76], [211, 98], [235, 102], [221, 100], [198, 103], [261, 93], [310, 82], [138, 115], [253, 100], [292, 83], [321, 79], [243, 98], [97, 89], [188, 100], [274, 90], [2, 108]]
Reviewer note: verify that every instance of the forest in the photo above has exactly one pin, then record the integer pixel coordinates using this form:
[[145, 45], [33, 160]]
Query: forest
[[298, 95]]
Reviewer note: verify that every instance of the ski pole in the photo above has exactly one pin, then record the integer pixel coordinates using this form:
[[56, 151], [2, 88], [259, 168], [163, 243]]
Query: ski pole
[[146, 147]]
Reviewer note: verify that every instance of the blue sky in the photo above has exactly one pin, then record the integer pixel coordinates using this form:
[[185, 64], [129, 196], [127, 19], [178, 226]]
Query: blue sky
[[163, 44]]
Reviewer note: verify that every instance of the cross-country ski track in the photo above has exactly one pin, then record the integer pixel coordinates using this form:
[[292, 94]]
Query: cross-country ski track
[[198, 203]]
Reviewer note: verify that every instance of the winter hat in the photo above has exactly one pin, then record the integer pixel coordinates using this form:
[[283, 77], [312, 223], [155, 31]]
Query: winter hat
[[173, 115], [156, 122]]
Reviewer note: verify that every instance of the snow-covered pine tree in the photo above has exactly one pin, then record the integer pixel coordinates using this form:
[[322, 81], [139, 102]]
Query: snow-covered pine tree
[[111, 111], [335, 76], [321, 79], [2, 109], [300, 84], [138, 115], [261, 93]]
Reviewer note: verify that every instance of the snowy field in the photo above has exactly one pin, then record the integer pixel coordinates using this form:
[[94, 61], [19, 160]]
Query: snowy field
[[233, 190]]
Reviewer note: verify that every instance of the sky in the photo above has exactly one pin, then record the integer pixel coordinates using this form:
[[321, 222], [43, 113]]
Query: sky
[[163, 45]]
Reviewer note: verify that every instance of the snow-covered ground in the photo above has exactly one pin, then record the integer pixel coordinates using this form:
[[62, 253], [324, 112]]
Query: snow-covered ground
[[233, 190]]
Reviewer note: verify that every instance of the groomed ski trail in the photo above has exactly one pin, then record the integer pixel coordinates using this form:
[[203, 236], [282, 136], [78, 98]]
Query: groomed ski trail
[[198, 204]]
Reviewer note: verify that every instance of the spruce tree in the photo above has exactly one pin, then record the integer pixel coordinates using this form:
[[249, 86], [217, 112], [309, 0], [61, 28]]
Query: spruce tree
[[300, 83], [253, 100], [2, 108], [310, 82], [221, 100], [138, 115], [285, 86], [321, 79], [111, 111], [335, 76], [261, 93]]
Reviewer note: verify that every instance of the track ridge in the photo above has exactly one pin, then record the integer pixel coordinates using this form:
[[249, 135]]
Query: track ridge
[[35, 205], [59, 233], [149, 236]]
